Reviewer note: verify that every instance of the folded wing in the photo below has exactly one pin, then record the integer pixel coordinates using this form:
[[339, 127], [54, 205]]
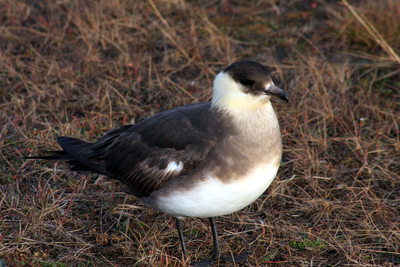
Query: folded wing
[[146, 155]]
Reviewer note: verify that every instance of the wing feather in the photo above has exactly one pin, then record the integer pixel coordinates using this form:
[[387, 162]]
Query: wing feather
[[139, 154]]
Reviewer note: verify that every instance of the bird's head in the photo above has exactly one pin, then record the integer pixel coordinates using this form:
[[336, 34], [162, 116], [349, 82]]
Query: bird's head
[[245, 85]]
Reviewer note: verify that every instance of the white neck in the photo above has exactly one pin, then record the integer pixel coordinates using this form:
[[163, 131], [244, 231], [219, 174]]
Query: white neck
[[249, 111]]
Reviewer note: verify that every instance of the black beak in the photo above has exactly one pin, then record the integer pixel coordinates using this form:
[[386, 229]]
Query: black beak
[[276, 92]]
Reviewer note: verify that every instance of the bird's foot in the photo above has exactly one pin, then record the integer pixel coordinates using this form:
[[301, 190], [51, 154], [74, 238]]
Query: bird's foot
[[234, 258], [226, 258], [202, 263]]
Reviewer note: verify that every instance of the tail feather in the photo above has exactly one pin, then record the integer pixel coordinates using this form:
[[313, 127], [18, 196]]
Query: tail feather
[[73, 146], [54, 155], [74, 151]]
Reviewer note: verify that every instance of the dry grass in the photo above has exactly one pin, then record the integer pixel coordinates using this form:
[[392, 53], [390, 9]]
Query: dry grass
[[79, 68]]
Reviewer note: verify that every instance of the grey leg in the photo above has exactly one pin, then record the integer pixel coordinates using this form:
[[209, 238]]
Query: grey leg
[[179, 224], [217, 250]]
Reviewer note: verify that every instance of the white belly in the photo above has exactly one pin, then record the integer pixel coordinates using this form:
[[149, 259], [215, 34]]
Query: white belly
[[210, 197]]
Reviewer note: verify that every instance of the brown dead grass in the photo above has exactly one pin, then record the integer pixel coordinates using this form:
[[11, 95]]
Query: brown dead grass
[[80, 68]]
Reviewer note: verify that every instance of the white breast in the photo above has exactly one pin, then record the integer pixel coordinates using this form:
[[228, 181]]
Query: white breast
[[210, 197]]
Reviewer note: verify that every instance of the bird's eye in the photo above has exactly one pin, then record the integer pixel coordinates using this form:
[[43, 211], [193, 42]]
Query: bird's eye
[[246, 82]]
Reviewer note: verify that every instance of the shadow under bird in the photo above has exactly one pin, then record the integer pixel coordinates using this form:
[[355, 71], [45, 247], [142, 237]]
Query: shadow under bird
[[200, 160]]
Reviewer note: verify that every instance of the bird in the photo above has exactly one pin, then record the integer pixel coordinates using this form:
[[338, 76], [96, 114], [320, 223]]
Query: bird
[[199, 160]]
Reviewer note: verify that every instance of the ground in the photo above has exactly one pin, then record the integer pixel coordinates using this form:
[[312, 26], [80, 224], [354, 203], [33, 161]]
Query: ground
[[79, 68]]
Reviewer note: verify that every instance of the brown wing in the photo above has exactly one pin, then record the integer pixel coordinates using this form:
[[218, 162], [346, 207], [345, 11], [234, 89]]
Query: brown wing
[[139, 155]]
